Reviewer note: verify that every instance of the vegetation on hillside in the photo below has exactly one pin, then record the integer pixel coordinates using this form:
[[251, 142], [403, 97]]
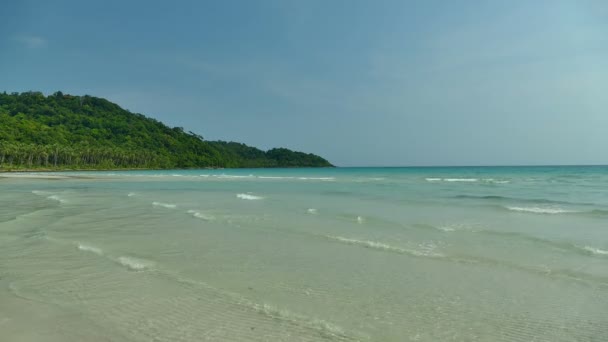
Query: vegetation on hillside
[[62, 131]]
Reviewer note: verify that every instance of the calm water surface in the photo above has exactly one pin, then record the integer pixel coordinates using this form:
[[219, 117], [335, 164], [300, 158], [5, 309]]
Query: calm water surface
[[348, 254]]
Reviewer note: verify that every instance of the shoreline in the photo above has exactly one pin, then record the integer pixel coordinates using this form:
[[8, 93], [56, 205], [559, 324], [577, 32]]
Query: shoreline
[[7, 171]]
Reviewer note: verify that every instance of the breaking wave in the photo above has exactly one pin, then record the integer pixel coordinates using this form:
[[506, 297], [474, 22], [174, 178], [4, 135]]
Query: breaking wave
[[425, 251], [135, 264], [317, 178], [232, 176], [200, 215], [518, 199], [56, 198], [274, 177], [91, 249], [49, 196], [249, 197], [540, 210], [595, 251], [164, 205], [468, 180]]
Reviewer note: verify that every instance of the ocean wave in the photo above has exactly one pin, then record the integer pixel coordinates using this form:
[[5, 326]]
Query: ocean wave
[[49, 196], [312, 211], [595, 251], [317, 178], [496, 181], [461, 179], [540, 210], [164, 205], [131, 194], [275, 177], [249, 197], [89, 248], [135, 264], [597, 212], [563, 246], [425, 251], [233, 176], [360, 219], [447, 228], [57, 198], [468, 180], [519, 199], [200, 215], [452, 179]]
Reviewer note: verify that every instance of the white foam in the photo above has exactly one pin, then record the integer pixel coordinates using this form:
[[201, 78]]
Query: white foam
[[595, 251], [200, 215], [312, 211], [274, 177], [427, 251], [131, 194], [539, 210], [360, 220], [233, 176], [56, 198], [164, 205], [249, 197], [134, 263], [88, 248], [446, 228], [51, 197], [496, 181], [317, 178], [452, 179]]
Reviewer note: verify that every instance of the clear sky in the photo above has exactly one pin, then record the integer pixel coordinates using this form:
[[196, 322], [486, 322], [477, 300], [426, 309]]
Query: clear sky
[[358, 82]]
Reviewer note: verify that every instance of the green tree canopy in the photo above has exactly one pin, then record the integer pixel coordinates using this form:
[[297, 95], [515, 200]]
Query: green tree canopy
[[64, 131]]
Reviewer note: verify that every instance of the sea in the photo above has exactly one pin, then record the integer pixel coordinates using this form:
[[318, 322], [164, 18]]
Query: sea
[[333, 254]]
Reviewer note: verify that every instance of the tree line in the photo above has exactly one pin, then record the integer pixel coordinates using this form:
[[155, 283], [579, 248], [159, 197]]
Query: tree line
[[62, 131]]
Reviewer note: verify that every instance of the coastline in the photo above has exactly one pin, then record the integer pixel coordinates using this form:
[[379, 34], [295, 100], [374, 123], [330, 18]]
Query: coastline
[[156, 169]]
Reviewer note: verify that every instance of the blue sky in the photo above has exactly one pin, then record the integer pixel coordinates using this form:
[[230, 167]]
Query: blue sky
[[359, 82]]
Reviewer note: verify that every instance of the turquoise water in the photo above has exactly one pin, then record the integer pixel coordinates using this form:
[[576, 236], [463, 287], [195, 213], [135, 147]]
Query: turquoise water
[[347, 254]]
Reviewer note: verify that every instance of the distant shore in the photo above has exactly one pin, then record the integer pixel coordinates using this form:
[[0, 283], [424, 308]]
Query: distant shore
[[146, 169]]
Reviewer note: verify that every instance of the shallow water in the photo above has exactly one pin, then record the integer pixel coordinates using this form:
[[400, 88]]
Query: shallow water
[[368, 254]]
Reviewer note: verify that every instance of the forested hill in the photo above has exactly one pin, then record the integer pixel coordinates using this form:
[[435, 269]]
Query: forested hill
[[62, 131]]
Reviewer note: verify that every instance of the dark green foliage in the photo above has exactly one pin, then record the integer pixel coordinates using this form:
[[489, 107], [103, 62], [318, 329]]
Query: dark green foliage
[[62, 131]]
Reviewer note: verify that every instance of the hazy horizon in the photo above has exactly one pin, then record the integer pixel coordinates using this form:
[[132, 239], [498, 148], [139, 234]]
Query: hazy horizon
[[382, 84]]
